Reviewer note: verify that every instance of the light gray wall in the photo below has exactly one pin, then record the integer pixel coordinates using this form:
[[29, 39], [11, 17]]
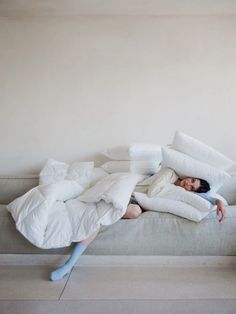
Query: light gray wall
[[71, 87]]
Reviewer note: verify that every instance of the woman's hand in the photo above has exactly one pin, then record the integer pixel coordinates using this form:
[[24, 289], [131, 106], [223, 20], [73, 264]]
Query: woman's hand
[[221, 211]]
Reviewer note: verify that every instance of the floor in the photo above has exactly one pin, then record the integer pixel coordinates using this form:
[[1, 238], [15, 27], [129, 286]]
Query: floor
[[26, 289]]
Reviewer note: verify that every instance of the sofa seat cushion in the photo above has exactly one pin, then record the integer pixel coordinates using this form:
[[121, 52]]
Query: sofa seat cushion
[[152, 233], [155, 233], [13, 242]]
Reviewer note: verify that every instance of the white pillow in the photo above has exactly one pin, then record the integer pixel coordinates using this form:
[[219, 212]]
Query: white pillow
[[186, 166], [140, 167], [170, 206], [97, 174], [55, 171], [137, 151], [200, 151], [176, 193]]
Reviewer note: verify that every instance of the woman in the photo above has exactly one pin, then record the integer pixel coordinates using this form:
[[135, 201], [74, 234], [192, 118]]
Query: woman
[[133, 210], [167, 175]]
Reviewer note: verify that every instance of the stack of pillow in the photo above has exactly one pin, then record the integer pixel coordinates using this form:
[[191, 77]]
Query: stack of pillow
[[190, 157], [143, 159]]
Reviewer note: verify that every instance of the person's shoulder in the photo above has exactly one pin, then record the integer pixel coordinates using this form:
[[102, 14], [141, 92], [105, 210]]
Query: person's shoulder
[[170, 171], [166, 170]]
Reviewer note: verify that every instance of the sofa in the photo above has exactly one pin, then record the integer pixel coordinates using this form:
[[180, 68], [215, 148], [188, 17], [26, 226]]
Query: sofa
[[151, 234]]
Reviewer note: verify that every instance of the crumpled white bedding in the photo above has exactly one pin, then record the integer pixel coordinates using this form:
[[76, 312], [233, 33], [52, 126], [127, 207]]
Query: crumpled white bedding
[[55, 215]]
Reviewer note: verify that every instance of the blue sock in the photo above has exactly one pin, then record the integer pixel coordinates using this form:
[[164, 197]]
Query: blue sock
[[65, 269]]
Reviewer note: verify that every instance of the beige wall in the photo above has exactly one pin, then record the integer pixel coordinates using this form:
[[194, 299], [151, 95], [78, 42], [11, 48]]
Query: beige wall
[[71, 87]]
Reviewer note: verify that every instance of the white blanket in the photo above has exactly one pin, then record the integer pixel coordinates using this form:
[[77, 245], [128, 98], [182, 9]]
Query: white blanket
[[54, 215]]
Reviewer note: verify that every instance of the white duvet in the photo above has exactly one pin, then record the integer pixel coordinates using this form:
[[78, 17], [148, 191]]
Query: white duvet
[[57, 214]]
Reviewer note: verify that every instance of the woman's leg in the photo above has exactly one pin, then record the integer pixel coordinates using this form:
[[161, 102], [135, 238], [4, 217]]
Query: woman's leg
[[132, 211], [79, 248]]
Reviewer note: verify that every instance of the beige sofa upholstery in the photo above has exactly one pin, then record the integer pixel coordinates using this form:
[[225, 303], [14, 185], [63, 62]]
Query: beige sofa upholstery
[[152, 233]]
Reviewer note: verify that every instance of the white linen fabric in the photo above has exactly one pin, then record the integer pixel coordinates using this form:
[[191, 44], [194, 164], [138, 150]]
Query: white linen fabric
[[186, 166], [145, 184], [53, 216], [54, 171], [200, 151], [160, 180], [140, 167], [138, 151]]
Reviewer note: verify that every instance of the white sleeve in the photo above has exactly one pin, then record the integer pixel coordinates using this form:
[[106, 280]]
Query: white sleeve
[[163, 177]]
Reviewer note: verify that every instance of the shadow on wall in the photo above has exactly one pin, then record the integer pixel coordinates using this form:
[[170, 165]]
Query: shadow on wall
[[98, 159]]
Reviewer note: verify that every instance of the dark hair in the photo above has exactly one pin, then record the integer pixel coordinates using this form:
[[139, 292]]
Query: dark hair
[[204, 186]]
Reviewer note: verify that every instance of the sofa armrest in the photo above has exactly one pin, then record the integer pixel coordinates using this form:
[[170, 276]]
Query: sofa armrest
[[228, 190]]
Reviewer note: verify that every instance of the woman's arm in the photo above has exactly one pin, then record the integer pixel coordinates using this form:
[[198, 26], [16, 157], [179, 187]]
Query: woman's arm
[[209, 198], [221, 211], [162, 178]]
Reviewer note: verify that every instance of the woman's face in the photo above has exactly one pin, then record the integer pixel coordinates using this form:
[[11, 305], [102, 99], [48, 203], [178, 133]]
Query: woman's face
[[190, 184]]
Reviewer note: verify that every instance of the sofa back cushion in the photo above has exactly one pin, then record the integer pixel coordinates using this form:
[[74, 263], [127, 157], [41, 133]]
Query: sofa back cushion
[[228, 190], [13, 186]]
